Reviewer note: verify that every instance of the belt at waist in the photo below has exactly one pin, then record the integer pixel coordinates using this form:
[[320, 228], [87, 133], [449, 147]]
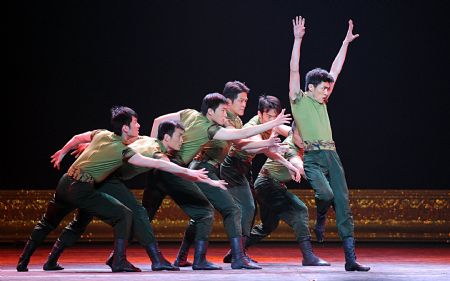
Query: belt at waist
[[319, 145], [264, 173], [78, 175]]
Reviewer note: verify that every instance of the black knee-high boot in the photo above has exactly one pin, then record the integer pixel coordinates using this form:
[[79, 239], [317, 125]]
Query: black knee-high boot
[[238, 258], [245, 243], [24, 258], [188, 240], [120, 262], [350, 257], [309, 259], [52, 260], [322, 208], [200, 262], [158, 260]]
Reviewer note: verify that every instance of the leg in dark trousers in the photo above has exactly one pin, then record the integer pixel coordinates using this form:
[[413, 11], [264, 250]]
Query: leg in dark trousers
[[193, 202], [69, 195]]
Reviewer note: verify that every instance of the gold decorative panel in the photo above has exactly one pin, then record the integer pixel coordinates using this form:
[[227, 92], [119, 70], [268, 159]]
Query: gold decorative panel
[[379, 215]]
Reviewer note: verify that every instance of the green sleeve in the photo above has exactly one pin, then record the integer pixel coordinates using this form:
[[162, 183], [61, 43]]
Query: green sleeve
[[127, 153], [212, 130], [95, 132], [298, 97], [293, 149]]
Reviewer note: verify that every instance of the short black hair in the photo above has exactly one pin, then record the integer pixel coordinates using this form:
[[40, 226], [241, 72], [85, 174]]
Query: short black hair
[[317, 76], [121, 115], [267, 103], [168, 127], [212, 101], [233, 89]]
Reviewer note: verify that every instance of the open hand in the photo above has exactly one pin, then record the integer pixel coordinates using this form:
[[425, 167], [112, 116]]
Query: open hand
[[350, 36], [197, 175], [298, 27], [283, 118], [295, 173], [57, 158], [80, 148], [217, 183]]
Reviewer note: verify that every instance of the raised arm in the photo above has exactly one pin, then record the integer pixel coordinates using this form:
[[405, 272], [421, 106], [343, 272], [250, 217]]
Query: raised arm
[[71, 144], [338, 62], [294, 76], [171, 116], [234, 134]]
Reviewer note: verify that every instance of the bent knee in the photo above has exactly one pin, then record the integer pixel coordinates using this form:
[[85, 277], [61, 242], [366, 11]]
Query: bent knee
[[327, 196]]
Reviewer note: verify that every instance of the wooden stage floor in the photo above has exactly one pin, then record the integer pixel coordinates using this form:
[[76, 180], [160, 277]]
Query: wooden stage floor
[[280, 261]]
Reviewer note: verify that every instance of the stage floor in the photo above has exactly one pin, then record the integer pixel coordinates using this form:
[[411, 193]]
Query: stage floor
[[280, 261]]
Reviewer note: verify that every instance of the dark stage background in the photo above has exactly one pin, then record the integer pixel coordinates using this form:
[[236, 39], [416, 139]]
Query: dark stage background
[[70, 61]]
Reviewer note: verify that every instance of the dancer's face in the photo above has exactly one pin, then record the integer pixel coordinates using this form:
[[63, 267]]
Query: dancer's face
[[320, 92], [175, 141], [218, 116], [267, 116], [133, 129], [238, 105]]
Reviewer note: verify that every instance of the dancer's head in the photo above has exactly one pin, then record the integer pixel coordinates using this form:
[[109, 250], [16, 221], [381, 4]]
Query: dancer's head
[[268, 108], [318, 82], [124, 121], [237, 95], [214, 107], [171, 134]]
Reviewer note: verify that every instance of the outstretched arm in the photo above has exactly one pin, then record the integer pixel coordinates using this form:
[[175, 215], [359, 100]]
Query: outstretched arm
[[294, 76], [338, 62], [234, 134], [165, 165], [71, 144], [256, 142], [282, 130], [295, 172], [171, 116]]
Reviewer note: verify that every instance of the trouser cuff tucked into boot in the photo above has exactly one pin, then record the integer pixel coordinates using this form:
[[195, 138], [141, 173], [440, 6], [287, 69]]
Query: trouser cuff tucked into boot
[[158, 261], [120, 262], [183, 252], [238, 259], [24, 259], [53, 257], [200, 262], [350, 257], [309, 258]]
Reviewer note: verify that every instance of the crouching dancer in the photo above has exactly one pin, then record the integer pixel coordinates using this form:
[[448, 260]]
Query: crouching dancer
[[76, 189]]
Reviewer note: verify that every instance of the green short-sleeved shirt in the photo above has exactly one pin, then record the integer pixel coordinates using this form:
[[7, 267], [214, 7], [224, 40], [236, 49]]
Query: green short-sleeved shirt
[[215, 151], [148, 147], [276, 170], [311, 118], [198, 131], [103, 156], [242, 154]]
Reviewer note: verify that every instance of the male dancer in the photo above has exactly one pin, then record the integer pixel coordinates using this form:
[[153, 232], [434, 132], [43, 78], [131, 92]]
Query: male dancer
[[276, 202], [214, 152], [107, 152], [322, 165], [200, 128], [236, 168], [170, 136]]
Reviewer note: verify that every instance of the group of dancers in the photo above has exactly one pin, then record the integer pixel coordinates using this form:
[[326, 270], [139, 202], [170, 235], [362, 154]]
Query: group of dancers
[[203, 161]]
